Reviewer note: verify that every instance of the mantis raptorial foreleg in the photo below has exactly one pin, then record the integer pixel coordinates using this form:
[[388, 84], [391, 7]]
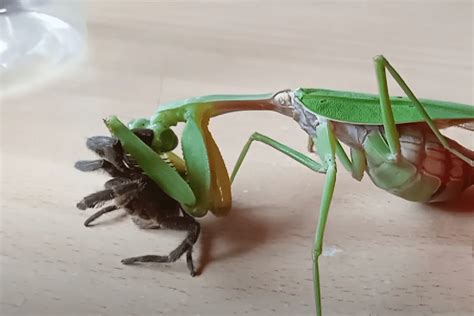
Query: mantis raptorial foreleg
[[205, 168], [391, 133], [290, 152]]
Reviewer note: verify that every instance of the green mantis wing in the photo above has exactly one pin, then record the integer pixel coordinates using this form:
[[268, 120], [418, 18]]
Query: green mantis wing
[[362, 108]]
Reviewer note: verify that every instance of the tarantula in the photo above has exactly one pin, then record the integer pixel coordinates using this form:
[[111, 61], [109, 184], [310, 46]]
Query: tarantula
[[146, 203]]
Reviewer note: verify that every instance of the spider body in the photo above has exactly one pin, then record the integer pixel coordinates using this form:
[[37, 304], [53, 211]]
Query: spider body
[[130, 189]]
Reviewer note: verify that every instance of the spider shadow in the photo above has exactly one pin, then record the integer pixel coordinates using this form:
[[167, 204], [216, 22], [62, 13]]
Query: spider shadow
[[243, 230]]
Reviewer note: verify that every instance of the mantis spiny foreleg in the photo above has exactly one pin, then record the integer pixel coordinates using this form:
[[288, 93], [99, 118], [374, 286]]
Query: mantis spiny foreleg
[[391, 132]]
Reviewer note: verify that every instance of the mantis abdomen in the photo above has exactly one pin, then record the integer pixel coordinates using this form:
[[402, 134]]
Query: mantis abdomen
[[424, 172]]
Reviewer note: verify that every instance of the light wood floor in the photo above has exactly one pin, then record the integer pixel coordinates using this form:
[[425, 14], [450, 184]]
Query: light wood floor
[[384, 255]]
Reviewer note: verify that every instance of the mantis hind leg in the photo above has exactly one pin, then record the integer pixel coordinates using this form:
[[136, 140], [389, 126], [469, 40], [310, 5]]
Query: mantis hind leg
[[391, 133], [356, 165]]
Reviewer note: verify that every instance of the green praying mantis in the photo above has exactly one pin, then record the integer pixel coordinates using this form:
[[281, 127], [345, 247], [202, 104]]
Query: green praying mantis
[[395, 140]]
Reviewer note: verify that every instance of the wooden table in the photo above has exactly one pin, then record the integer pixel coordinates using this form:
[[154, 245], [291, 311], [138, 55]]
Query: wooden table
[[383, 255]]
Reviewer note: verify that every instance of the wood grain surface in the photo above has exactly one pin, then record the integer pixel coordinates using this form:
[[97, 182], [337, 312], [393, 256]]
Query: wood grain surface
[[383, 255]]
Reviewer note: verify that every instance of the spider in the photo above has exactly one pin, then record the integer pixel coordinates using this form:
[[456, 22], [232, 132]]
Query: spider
[[132, 190]]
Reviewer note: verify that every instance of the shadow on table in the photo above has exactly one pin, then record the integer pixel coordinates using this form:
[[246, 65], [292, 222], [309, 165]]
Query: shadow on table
[[242, 231], [462, 204]]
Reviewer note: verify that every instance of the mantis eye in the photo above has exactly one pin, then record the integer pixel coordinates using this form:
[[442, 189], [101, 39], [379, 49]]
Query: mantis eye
[[163, 139], [138, 123]]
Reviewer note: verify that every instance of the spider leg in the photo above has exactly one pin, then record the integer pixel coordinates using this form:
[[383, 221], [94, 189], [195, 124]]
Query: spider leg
[[181, 223], [124, 191], [115, 182], [115, 162], [108, 148], [111, 150], [99, 213], [93, 165], [95, 199]]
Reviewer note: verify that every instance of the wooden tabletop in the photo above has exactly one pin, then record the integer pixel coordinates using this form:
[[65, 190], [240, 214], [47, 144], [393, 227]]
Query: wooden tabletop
[[383, 255]]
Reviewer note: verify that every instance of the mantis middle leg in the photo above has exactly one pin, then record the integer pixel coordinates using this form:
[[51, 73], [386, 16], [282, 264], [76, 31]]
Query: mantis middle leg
[[290, 152], [327, 144], [391, 133]]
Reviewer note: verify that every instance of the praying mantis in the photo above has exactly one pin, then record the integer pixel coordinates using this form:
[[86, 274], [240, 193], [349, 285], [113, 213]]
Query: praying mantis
[[396, 141]]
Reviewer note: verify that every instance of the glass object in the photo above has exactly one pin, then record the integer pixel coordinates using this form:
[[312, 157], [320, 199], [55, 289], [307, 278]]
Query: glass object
[[37, 38]]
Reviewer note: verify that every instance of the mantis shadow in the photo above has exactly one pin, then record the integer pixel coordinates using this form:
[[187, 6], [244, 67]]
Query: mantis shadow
[[463, 204], [241, 231]]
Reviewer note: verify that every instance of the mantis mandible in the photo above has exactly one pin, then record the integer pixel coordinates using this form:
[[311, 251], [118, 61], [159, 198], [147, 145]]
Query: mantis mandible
[[395, 140]]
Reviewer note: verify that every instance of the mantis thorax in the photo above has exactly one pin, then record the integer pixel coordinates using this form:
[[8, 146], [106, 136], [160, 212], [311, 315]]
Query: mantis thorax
[[307, 119]]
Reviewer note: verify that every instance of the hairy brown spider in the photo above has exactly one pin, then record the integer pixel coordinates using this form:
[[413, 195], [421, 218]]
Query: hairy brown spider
[[130, 189]]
